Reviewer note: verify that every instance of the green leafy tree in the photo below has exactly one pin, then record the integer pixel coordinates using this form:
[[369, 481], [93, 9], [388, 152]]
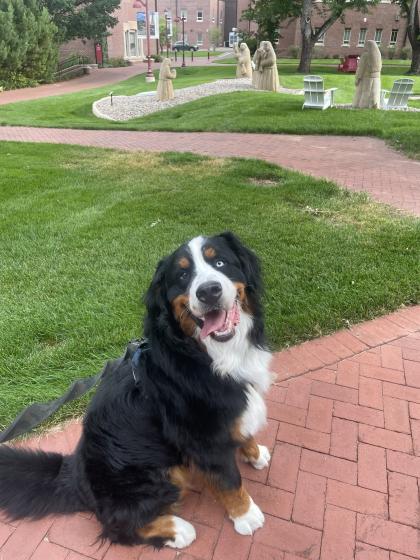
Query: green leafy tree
[[215, 34], [28, 47], [270, 13], [83, 19], [410, 10]]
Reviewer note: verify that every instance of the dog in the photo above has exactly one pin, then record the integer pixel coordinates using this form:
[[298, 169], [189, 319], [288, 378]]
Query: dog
[[193, 399]]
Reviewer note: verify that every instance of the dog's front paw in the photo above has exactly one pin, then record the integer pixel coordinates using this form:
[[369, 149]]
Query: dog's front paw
[[252, 520], [184, 533], [263, 458]]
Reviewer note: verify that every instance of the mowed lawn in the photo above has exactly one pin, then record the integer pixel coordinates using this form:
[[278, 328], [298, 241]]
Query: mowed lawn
[[236, 112], [82, 230]]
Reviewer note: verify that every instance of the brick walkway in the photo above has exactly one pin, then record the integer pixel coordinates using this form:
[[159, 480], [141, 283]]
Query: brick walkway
[[344, 478], [97, 78], [385, 174]]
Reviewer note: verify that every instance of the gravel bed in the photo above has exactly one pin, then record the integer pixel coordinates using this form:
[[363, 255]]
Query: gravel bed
[[126, 107]]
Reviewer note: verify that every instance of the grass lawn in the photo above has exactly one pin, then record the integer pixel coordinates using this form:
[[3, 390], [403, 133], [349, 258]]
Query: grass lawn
[[404, 64], [82, 230], [236, 112]]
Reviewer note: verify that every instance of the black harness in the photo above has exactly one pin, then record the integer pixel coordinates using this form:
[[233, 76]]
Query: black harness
[[36, 413]]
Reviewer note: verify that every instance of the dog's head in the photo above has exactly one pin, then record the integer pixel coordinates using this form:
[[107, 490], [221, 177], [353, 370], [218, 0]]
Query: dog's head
[[205, 287]]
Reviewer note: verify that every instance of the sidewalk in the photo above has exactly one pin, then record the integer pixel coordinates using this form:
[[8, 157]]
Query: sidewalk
[[98, 78], [343, 483], [388, 176]]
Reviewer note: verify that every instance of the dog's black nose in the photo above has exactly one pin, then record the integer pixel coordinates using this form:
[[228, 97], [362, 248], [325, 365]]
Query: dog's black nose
[[209, 292]]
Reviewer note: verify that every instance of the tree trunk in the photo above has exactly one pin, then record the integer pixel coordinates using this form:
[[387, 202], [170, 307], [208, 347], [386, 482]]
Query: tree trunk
[[307, 43], [415, 61]]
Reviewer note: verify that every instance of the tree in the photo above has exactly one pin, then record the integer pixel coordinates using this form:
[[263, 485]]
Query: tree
[[83, 19], [269, 14], [330, 11], [28, 48], [215, 35], [410, 10]]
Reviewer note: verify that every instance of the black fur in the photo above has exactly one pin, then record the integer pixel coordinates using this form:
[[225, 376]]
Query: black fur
[[180, 413]]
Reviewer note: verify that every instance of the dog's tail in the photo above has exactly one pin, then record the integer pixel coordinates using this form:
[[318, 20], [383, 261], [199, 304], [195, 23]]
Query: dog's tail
[[35, 483]]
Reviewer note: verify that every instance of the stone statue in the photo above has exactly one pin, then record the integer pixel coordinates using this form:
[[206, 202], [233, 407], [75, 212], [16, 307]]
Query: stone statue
[[243, 56], [256, 75], [267, 66], [165, 89], [368, 78]]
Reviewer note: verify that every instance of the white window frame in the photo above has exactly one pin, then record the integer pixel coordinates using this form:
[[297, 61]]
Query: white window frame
[[378, 32], [200, 18], [346, 40], [391, 42], [361, 42]]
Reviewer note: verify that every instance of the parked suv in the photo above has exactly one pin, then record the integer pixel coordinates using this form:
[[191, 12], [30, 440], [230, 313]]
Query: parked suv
[[179, 46]]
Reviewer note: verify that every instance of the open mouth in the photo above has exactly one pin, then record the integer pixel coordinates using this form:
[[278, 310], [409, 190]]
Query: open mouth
[[220, 324]]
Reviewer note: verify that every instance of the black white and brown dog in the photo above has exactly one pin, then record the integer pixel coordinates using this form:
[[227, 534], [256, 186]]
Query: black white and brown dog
[[197, 400]]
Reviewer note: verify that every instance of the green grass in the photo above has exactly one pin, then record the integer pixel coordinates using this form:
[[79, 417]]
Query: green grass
[[404, 64], [82, 230]]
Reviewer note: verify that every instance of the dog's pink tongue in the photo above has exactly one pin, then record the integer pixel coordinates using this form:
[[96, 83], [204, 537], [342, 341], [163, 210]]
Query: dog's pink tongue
[[213, 321]]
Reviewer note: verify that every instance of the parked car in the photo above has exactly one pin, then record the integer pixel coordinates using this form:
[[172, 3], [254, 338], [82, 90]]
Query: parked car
[[180, 46]]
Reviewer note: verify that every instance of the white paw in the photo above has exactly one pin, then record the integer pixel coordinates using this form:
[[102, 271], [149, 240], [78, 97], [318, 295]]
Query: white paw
[[184, 533], [252, 520], [263, 458]]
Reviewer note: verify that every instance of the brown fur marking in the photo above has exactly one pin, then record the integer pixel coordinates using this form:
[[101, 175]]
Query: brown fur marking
[[179, 308], [235, 502], [210, 252], [241, 291], [163, 526], [184, 262], [180, 476], [250, 450]]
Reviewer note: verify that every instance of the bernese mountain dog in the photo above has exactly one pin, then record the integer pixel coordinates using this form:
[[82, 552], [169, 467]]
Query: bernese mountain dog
[[196, 399]]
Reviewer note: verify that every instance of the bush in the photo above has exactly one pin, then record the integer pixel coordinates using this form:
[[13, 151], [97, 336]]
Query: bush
[[406, 53], [391, 53], [318, 52], [116, 62], [156, 57], [294, 51], [28, 49]]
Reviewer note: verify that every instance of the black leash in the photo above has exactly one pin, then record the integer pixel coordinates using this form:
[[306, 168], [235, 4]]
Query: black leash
[[33, 415]]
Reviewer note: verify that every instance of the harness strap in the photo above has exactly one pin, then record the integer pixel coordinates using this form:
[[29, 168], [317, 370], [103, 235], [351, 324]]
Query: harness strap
[[33, 415]]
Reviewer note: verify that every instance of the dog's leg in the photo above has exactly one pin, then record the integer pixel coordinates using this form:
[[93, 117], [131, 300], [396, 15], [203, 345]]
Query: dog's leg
[[257, 455], [227, 487], [169, 529]]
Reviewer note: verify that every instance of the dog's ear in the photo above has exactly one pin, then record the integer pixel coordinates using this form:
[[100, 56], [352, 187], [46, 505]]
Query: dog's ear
[[155, 299], [250, 263]]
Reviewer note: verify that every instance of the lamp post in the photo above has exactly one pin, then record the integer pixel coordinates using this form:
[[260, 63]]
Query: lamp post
[[183, 42], [140, 4]]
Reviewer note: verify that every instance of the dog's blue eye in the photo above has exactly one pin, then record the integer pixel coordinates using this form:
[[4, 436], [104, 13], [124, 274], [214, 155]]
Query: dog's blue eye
[[219, 264]]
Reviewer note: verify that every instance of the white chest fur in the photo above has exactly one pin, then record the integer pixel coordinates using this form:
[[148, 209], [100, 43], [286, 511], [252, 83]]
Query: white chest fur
[[245, 363]]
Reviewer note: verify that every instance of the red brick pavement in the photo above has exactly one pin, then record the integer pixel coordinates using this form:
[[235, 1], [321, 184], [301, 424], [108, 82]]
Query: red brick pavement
[[343, 483], [357, 163], [97, 78]]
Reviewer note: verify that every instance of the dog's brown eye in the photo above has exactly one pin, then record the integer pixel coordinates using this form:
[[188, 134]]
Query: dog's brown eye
[[183, 275], [219, 264]]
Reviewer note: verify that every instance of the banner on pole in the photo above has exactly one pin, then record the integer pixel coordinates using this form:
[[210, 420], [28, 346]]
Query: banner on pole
[[153, 25]]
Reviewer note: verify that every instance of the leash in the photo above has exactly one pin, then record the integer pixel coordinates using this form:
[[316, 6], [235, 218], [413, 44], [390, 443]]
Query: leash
[[33, 415]]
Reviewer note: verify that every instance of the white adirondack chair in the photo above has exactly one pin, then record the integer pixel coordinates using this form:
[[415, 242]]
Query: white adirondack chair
[[316, 97], [398, 96]]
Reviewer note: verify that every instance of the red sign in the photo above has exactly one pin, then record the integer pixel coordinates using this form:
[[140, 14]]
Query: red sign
[[98, 54]]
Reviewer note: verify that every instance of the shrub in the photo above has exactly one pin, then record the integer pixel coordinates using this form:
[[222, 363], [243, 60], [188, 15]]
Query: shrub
[[294, 51], [116, 62], [391, 53], [406, 53], [318, 52], [156, 57], [28, 49]]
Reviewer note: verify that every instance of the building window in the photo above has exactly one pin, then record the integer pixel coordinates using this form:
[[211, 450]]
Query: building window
[[199, 38], [184, 15], [346, 37], [362, 38], [393, 39], [200, 15], [321, 38], [378, 36]]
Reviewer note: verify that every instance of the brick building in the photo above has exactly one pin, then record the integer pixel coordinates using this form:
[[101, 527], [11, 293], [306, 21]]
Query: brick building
[[383, 23]]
